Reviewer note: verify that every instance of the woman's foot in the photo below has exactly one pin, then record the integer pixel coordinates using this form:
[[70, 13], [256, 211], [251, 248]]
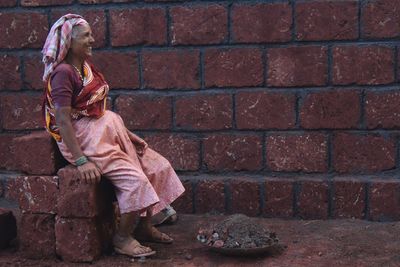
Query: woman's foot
[[130, 247], [148, 233], [167, 216]]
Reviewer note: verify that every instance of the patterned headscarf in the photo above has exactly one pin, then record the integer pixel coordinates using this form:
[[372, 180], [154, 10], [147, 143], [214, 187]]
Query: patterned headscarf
[[58, 42]]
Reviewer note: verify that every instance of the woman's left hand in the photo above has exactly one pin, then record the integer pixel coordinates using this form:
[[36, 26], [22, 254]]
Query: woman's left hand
[[141, 147]]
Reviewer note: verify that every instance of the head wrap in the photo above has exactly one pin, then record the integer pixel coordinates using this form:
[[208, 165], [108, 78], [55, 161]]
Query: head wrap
[[58, 42]]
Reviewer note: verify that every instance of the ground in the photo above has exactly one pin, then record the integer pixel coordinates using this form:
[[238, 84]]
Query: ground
[[309, 243]]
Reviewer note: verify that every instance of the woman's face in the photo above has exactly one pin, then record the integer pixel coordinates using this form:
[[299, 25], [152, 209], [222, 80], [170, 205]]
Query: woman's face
[[82, 41]]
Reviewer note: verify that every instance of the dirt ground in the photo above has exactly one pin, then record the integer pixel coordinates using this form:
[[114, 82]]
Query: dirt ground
[[309, 243]]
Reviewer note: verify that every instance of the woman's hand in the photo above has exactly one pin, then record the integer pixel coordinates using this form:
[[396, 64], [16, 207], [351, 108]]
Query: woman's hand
[[89, 173], [141, 147]]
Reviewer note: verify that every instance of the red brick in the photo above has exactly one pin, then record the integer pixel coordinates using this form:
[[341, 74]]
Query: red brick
[[380, 19], [268, 23], [11, 185], [327, 20], [245, 196], [94, 1], [38, 194], [297, 66], [209, 196], [264, 110], [181, 150], [363, 153], [109, 64], [363, 65], [8, 3], [78, 239], [21, 111], [33, 68], [171, 69], [232, 152], [278, 197], [6, 157], [34, 3], [146, 26], [297, 152], [8, 227], [204, 112], [10, 76], [196, 25], [23, 30], [331, 109], [384, 200], [36, 235], [382, 109], [312, 202], [348, 198], [184, 204], [145, 111], [236, 67]]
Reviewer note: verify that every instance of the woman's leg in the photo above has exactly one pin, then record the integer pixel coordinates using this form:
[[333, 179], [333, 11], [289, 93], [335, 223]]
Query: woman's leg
[[145, 231]]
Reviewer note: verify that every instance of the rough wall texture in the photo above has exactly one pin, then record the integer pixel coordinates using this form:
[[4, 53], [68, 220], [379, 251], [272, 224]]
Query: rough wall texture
[[260, 88]]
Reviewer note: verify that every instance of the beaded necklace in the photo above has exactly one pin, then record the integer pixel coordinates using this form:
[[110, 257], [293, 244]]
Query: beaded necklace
[[77, 70]]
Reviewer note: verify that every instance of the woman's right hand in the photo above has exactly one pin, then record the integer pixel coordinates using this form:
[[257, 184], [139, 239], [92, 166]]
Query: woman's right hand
[[89, 173]]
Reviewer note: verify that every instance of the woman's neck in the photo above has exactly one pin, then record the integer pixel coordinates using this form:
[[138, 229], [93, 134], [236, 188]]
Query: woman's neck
[[78, 63]]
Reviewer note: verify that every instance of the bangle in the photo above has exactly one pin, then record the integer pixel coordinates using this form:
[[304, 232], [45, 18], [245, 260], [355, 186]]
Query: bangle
[[81, 160]]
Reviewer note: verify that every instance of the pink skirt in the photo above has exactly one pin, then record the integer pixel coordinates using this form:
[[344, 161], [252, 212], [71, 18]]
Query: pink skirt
[[140, 182]]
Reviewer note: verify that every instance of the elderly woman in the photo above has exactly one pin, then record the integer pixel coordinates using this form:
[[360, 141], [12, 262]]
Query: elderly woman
[[96, 141]]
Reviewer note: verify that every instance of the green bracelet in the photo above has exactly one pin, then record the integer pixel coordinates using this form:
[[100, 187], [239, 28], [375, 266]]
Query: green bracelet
[[81, 160]]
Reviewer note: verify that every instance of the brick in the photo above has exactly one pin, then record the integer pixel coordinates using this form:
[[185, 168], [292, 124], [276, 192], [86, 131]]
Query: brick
[[8, 3], [11, 185], [333, 109], [232, 152], [326, 20], [8, 227], [197, 25], [297, 152], [88, 2], [209, 196], [36, 153], [312, 201], [109, 64], [171, 69], [236, 67], [297, 66], [268, 23], [184, 204], [278, 198], [380, 19], [21, 111], [363, 153], [1, 189], [6, 155], [264, 110], [348, 198], [78, 239], [35, 3], [182, 151], [381, 109], [33, 69], [384, 200], [204, 112], [135, 111], [363, 65], [146, 26], [10, 74], [245, 196], [36, 235], [23, 30]]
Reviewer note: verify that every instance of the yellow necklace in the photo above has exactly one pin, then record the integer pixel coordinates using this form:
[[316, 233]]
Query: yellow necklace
[[77, 70]]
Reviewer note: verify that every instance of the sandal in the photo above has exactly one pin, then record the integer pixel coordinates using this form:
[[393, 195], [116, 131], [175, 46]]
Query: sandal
[[132, 248], [167, 215], [154, 237]]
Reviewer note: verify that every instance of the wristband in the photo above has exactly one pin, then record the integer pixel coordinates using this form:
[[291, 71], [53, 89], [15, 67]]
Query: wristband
[[81, 160]]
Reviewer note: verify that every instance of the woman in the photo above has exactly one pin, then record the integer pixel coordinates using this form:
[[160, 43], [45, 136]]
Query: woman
[[96, 140]]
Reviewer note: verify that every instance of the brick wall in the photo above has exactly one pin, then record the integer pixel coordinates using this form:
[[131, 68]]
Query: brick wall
[[255, 88]]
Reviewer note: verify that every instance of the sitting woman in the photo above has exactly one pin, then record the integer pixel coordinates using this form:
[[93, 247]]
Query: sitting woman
[[96, 140]]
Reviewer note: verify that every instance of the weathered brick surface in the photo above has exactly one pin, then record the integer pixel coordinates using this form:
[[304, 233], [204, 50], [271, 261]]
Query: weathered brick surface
[[36, 235], [6, 155], [35, 3], [197, 25], [33, 67], [145, 111], [232, 152], [279, 195], [348, 198], [184, 204], [182, 151], [312, 199], [210, 196], [262, 110], [380, 19], [245, 196], [381, 109], [10, 76], [332, 109], [8, 227], [236, 67], [171, 69], [297, 66], [11, 185], [268, 23], [297, 152], [327, 20], [204, 112], [145, 26], [363, 153], [8, 3], [384, 199], [23, 30], [363, 65]]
